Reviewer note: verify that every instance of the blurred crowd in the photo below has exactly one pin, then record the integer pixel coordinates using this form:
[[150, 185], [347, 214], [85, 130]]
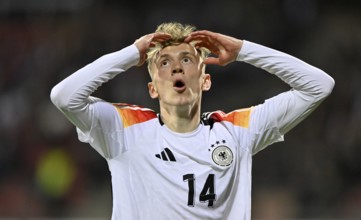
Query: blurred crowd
[[46, 172]]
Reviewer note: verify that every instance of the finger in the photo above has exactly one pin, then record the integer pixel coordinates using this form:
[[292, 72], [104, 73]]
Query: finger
[[161, 37], [199, 37], [205, 41], [202, 38], [202, 44], [151, 44], [204, 33], [212, 61], [213, 46], [154, 38]]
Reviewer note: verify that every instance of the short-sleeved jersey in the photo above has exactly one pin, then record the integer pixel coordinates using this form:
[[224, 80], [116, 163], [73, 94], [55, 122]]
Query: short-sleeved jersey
[[204, 174]]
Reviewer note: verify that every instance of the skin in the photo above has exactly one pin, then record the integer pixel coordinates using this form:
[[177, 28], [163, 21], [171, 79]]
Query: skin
[[180, 106]]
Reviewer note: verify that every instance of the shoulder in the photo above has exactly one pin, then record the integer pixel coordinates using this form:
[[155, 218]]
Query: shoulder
[[240, 117], [134, 114]]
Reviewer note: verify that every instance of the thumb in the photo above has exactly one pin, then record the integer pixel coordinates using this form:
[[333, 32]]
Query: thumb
[[142, 60]]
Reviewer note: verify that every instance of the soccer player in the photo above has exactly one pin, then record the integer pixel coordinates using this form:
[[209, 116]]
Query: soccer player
[[181, 163]]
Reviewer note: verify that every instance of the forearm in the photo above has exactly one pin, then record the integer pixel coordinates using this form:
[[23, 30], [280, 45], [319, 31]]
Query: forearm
[[72, 93], [279, 114]]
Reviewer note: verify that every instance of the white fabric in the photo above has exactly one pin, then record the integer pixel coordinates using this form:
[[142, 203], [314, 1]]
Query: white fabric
[[147, 186]]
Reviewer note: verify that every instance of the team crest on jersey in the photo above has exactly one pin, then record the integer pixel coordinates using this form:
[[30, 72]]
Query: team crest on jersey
[[221, 154]]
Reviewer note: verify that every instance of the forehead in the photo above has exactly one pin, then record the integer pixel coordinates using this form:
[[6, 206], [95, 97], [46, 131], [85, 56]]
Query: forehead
[[178, 49]]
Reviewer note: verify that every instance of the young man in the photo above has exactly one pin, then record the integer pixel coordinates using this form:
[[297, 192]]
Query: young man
[[181, 164]]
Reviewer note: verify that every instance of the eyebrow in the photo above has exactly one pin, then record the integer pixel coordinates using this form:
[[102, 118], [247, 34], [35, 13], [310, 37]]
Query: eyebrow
[[182, 53]]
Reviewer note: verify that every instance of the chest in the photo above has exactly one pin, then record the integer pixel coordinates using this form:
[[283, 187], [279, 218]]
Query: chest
[[204, 150], [200, 168]]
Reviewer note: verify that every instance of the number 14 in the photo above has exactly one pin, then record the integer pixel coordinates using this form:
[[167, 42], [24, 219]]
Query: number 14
[[207, 193]]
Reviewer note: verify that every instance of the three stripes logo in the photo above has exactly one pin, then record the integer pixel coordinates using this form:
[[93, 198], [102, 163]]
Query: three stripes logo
[[166, 155]]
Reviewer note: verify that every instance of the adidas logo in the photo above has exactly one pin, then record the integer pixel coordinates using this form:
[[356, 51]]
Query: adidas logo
[[166, 155]]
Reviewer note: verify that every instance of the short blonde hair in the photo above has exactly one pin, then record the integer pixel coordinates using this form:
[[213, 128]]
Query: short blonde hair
[[178, 32]]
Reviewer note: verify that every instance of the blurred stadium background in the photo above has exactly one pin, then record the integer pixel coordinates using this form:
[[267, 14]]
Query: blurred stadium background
[[46, 173]]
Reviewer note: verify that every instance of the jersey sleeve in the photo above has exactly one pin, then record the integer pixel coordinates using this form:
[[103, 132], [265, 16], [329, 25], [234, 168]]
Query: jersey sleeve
[[98, 122], [276, 116]]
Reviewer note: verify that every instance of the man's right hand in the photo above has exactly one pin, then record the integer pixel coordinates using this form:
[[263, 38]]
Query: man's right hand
[[147, 41]]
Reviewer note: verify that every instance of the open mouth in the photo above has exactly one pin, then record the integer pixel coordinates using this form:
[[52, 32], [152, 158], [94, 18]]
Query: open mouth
[[179, 85]]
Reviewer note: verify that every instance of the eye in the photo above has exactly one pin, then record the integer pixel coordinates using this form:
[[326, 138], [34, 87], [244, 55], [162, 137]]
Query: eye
[[164, 63], [186, 60]]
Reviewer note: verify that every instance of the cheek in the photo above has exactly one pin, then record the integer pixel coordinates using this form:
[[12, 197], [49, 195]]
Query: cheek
[[159, 84], [196, 84], [164, 73], [195, 74]]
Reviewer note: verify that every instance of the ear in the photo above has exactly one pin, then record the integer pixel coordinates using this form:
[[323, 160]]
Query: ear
[[152, 90], [206, 82]]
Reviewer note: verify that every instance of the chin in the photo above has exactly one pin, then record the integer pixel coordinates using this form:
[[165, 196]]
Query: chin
[[181, 103], [184, 101], [181, 99]]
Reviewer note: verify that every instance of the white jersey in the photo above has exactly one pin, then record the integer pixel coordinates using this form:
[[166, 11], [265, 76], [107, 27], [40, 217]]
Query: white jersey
[[205, 174]]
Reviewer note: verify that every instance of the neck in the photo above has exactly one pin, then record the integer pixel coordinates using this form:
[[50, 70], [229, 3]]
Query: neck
[[181, 119]]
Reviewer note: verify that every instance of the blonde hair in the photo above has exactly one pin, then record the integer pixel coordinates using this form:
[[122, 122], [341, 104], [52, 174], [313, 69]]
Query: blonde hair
[[178, 32]]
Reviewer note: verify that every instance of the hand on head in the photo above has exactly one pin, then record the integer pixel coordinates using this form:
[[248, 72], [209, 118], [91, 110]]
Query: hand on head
[[147, 41], [225, 48]]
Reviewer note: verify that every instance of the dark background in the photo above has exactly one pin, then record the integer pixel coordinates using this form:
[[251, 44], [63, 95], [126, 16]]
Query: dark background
[[46, 172]]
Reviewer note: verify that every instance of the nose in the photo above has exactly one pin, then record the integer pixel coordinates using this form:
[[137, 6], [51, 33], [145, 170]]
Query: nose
[[177, 70]]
